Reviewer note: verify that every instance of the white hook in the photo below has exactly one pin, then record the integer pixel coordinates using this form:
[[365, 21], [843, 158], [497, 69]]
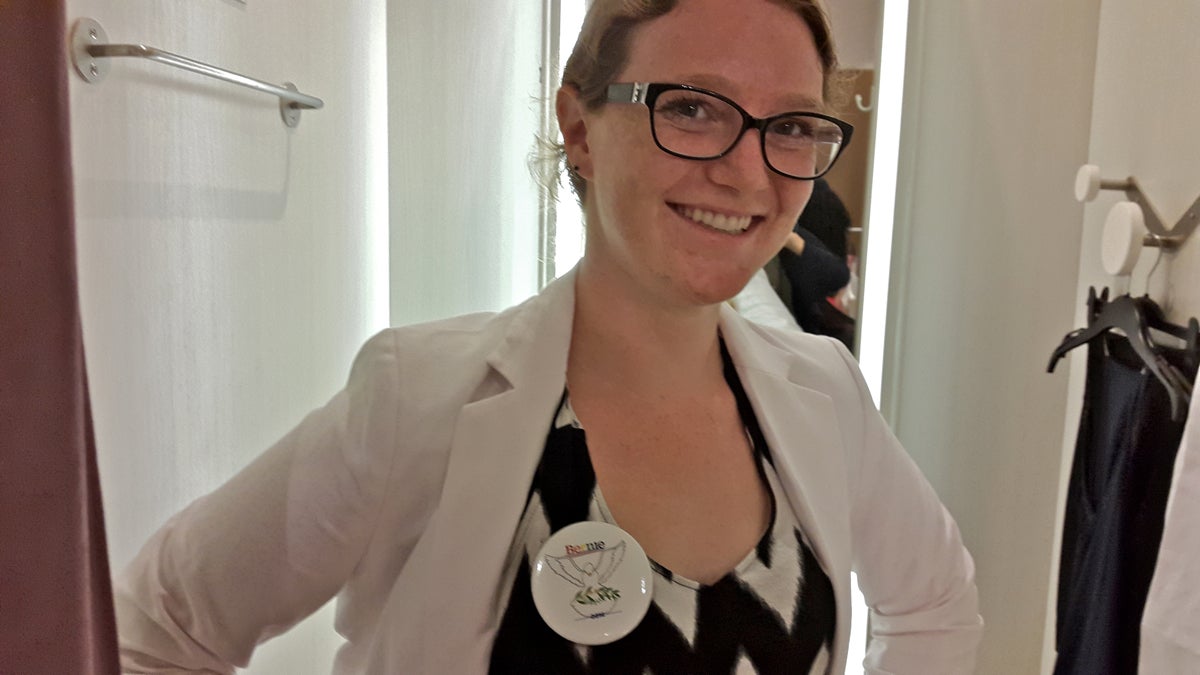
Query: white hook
[[1088, 183], [858, 101], [1124, 237]]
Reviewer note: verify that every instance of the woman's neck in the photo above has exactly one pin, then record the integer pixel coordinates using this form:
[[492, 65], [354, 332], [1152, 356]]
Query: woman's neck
[[637, 345]]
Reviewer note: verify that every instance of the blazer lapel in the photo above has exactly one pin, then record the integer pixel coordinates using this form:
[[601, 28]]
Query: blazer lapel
[[800, 425], [498, 441]]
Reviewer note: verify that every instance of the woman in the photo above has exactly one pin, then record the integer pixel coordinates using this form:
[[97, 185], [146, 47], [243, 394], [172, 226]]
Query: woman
[[422, 492]]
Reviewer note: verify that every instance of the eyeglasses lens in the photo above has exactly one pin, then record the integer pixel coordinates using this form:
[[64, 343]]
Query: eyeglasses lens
[[699, 126]]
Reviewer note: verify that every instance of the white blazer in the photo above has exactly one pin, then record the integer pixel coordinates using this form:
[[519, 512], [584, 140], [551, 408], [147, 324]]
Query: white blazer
[[403, 493]]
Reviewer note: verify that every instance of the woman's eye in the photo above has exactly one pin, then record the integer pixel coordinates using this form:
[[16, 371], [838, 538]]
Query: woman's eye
[[695, 110], [794, 129]]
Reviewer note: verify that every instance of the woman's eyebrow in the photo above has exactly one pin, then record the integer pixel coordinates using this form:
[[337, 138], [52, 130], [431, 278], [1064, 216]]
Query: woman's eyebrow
[[805, 103], [797, 102]]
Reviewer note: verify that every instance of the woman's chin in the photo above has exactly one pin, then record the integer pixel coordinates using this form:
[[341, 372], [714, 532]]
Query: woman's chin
[[715, 290]]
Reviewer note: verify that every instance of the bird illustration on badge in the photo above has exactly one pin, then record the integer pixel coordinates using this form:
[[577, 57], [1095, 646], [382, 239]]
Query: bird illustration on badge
[[589, 567]]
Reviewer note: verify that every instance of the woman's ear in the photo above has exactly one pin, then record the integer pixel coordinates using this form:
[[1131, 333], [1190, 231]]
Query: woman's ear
[[572, 122]]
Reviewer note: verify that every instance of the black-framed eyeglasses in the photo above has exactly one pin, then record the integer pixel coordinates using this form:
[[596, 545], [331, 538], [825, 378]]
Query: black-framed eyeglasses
[[695, 123]]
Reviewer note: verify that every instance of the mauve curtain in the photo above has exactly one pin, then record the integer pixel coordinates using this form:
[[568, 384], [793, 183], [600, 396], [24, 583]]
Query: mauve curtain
[[56, 615]]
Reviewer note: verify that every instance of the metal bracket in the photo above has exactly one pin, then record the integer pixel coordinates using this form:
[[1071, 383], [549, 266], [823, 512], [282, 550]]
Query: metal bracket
[[288, 110], [1154, 223], [84, 34], [1088, 183], [1188, 223]]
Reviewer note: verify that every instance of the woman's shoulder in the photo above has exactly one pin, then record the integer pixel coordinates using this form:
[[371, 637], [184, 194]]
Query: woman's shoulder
[[428, 333], [820, 351], [451, 356], [435, 348], [485, 328], [815, 362], [454, 335]]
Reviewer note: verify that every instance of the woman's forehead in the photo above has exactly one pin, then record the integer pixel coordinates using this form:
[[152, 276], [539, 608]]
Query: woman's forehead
[[748, 48]]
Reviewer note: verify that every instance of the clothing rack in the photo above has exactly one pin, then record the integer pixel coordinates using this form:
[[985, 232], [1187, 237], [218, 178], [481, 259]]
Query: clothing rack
[[90, 51]]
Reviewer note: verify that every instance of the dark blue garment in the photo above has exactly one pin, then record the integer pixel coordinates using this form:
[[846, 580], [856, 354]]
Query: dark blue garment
[[1120, 478]]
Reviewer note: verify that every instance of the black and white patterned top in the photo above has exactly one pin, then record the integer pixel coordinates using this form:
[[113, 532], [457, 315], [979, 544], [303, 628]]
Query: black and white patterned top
[[774, 613]]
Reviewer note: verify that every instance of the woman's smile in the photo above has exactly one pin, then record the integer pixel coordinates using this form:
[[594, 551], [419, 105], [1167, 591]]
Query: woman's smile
[[730, 223]]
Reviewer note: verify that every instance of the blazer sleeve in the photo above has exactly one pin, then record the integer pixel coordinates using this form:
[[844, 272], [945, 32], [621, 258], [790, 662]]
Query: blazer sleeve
[[273, 544], [915, 574]]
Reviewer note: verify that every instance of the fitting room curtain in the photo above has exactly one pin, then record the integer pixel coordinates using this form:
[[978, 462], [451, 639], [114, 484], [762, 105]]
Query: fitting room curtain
[[56, 611]]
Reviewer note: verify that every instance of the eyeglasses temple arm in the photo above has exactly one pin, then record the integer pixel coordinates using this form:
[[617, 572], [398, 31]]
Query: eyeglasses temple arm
[[631, 92]]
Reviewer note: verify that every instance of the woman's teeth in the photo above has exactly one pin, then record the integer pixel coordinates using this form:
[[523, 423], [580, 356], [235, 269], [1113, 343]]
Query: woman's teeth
[[717, 221]]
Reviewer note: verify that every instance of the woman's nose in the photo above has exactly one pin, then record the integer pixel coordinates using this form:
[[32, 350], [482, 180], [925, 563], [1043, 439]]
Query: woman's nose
[[744, 167]]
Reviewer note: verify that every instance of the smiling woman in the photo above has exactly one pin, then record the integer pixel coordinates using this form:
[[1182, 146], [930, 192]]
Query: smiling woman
[[735, 474], [641, 183]]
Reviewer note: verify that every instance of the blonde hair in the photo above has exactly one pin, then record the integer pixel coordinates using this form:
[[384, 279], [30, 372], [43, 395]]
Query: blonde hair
[[603, 47]]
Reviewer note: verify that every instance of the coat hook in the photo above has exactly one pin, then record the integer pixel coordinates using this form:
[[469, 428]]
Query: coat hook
[[858, 101], [1125, 235], [1088, 184]]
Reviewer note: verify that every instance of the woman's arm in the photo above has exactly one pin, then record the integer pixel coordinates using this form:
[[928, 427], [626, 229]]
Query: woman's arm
[[915, 574], [272, 545]]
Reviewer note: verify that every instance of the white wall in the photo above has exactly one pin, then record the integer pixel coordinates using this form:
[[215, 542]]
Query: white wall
[[1143, 123], [984, 275], [463, 113], [229, 267]]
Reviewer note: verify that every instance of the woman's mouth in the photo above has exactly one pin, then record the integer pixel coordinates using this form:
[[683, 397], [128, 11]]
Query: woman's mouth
[[717, 221]]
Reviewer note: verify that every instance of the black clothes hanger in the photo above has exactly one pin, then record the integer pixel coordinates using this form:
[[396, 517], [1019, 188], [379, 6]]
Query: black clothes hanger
[[1189, 334], [1135, 317]]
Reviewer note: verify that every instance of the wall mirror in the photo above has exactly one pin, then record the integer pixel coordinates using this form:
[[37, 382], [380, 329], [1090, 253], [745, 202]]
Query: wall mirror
[[229, 269], [858, 26]]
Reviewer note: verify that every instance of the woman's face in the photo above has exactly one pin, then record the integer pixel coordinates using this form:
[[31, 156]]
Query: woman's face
[[644, 206]]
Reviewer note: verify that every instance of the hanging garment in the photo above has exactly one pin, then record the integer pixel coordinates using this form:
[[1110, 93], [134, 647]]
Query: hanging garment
[[1120, 478], [1170, 637]]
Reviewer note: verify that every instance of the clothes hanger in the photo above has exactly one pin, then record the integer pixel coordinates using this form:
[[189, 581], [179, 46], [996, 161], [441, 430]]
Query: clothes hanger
[[1134, 318], [1156, 320], [1147, 314], [1189, 334]]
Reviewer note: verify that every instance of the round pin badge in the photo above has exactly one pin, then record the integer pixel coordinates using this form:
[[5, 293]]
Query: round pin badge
[[592, 583]]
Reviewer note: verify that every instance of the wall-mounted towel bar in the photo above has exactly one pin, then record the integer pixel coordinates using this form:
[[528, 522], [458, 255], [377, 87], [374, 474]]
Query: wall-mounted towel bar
[[90, 52]]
